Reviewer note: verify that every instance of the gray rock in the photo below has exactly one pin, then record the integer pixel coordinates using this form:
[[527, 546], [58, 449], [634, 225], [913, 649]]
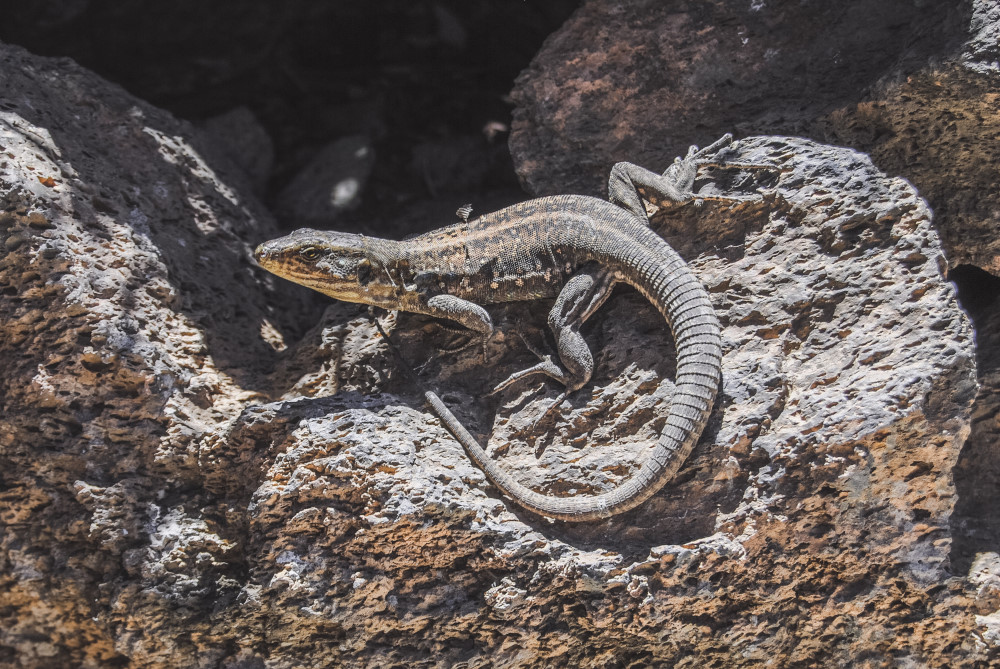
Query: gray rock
[[913, 84], [329, 184], [244, 141], [132, 323], [848, 378], [176, 493]]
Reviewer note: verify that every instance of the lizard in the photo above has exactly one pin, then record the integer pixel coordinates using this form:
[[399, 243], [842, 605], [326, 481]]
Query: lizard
[[573, 247]]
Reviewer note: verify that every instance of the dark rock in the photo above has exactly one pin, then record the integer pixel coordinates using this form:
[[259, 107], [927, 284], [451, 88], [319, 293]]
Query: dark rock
[[133, 322], [329, 184], [913, 84], [245, 142]]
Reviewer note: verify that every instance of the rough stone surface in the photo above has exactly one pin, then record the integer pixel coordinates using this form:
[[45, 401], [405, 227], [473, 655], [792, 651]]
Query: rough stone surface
[[245, 142], [176, 493], [913, 84], [132, 322]]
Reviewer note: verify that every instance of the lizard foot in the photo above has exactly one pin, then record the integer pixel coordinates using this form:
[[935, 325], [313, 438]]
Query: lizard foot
[[694, 152], [469, 340], [535, 431], [681, 174], [737, 183], [465, 339], [551, 408], [546, 366]]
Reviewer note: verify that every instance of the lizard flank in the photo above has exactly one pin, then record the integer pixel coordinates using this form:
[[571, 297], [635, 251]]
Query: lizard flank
[[571, 247]]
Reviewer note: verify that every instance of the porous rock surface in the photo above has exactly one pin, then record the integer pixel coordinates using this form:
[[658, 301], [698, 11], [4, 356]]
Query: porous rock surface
[[913, 84], [176, 493], [133, 322]]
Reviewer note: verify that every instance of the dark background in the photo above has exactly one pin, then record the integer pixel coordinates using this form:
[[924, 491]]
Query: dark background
[[427, 82]]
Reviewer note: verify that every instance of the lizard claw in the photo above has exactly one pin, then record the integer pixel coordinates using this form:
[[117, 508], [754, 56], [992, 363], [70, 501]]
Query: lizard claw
[[547, 366], [713, 148], [683, 171], [539, 449], [531, 347], [551, 408], [470, 340]]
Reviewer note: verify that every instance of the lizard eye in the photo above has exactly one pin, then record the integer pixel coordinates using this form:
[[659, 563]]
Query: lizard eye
[[311, 253]]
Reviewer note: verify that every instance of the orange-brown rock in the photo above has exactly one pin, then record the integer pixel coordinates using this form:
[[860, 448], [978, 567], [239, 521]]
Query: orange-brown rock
[[188, 482]]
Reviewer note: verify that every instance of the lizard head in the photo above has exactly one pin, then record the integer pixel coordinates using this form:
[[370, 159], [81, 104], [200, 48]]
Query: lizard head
[[337, 264]]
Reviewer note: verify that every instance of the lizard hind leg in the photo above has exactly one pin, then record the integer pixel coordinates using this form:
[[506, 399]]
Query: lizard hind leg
[[582, 295]]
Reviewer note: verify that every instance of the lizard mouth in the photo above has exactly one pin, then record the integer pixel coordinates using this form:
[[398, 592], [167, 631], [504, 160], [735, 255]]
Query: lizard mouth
[[270, 260], [260, 254], [274, 263]]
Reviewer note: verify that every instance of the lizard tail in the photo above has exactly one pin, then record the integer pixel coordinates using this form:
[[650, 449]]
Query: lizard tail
[[684, 303]]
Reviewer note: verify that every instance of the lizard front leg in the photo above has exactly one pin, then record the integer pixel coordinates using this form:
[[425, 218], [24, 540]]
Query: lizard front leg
[[467, 314], [582, 295]]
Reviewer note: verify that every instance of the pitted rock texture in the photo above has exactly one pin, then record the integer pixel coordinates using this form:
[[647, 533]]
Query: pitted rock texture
[[132, 322], [847, 382], [177, 493], [913, 84]]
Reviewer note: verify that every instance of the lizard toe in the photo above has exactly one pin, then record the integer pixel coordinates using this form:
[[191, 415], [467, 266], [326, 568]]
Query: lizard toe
[[547, 366]]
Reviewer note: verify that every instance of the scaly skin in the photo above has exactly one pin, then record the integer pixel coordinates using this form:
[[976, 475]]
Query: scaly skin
[[530, 251]]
